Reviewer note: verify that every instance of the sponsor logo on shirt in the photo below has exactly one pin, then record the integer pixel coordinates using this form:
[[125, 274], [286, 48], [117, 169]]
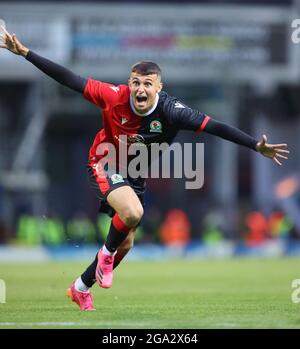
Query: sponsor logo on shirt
[[136, 139], [117, 178], [123, 121], [155, 126]]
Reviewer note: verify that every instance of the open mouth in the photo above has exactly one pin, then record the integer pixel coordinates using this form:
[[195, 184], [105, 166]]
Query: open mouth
[[141, 99]]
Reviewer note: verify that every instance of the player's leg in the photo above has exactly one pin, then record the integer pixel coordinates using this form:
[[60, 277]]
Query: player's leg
[[79, 290], [124, 248], [87, 279], [129, 212], [103, 186]]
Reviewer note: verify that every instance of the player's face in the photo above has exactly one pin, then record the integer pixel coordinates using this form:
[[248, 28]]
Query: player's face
[[143, 89]]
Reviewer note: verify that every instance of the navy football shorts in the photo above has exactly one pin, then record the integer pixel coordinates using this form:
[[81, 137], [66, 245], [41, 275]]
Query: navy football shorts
[[104, 183]]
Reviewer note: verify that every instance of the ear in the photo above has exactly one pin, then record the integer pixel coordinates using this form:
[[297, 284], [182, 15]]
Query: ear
[[160, 86]]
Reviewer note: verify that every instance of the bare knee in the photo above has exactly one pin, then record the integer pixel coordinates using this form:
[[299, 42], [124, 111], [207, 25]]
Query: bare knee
[[131, 216], [128, 206]]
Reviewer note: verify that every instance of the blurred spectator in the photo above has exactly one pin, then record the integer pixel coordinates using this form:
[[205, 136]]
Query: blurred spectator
[[280, 225], [262, 227], [213, 227], [257, 225], [53, 232], [28, 230], [33, 230], [81, 229], [103, 224], [176, 229]]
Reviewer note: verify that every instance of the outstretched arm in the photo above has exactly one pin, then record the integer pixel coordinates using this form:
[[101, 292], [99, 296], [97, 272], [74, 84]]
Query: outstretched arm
[[55, 71], [186, 118], [273, 151]]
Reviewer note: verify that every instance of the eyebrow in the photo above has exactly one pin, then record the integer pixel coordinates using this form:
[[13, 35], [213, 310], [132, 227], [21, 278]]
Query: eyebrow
[[137, 79]]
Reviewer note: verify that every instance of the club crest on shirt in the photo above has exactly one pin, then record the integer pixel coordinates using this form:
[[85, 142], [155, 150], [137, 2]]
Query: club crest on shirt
[[117, 178], [136, 139], [155, 126]]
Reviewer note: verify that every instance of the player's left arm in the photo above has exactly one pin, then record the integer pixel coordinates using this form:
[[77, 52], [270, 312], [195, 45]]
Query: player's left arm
[[186, 118], [233, 134]]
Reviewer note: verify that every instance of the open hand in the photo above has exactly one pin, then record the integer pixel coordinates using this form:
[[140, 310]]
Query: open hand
[[10, 42], [273, 151]]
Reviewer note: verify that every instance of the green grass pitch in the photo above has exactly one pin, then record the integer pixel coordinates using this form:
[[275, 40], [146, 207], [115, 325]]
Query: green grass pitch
[[233, 293]]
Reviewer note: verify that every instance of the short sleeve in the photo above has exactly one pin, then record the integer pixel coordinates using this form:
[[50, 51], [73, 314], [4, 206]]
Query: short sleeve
[[100, 93], [184, 117]]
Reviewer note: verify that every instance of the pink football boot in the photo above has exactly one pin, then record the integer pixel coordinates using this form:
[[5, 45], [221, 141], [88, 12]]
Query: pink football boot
[[104, 270], [83, 299]]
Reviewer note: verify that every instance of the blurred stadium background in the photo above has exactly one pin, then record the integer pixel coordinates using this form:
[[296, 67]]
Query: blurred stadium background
[[234, 60]]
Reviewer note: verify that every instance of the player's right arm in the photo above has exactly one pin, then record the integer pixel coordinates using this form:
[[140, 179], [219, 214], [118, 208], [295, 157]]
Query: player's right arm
[[55, 71], [97, 92]]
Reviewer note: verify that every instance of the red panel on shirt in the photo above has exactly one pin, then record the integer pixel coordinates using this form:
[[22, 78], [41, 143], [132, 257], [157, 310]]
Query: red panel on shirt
[[114, 102], [101, 93]]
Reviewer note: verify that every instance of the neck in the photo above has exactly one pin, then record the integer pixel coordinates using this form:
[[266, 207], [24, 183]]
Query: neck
[[150, 111]]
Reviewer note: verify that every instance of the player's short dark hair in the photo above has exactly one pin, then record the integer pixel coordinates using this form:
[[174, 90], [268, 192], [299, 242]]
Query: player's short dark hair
[[146, 68]]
